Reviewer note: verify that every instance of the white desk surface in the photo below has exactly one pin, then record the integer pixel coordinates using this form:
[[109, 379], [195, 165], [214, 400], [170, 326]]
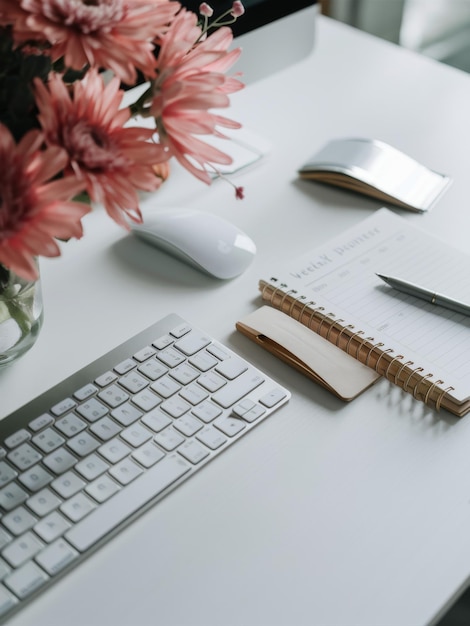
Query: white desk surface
[[328, 514]]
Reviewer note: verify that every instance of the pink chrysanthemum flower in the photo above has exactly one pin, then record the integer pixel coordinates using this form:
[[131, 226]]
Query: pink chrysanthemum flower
[[112, 161], [33, 209], [117, 35], [190, 82]]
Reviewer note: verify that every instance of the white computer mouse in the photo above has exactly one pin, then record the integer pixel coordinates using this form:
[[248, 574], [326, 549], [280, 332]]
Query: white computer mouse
[[203, 240]]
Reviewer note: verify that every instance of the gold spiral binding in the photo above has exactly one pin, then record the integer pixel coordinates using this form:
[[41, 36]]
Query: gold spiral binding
[[296, 303], [328, 317], [302, 310], [382, 354], [344, 329], [353, 336], [377, 345], [435, 384], [273, 293], [286, 295], [397, 375], [360, 345], [291, 310], [415, 371], [421, 381], [441, 397], [331, 328], [396, 358], [312, 315]]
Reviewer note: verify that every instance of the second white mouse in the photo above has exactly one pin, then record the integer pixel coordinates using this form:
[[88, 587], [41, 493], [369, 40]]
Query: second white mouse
[[203, 240]]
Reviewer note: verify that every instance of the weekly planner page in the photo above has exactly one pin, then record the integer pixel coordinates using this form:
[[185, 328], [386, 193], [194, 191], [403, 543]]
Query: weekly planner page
[[341, 277]]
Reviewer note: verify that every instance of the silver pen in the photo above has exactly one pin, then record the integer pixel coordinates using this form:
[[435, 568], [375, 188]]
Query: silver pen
[[426, 294]]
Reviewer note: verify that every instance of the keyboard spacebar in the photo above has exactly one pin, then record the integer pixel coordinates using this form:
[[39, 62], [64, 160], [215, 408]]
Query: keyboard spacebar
[[124, 503]]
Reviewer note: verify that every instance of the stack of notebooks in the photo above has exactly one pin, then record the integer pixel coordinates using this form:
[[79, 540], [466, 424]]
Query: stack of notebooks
[[333, 318]]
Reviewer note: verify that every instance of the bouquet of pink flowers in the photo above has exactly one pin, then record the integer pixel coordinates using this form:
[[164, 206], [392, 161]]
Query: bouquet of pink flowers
[[63, 130]]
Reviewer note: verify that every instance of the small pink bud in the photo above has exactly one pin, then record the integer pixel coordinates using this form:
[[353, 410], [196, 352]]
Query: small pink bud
[[239, 193], [206, 10], [237, 9]]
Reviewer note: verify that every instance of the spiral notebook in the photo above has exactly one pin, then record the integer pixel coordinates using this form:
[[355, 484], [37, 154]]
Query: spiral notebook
[[335, 291]]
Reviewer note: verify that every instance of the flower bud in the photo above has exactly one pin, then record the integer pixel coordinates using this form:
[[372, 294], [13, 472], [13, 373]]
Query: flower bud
[[205, 10], [237, 9]]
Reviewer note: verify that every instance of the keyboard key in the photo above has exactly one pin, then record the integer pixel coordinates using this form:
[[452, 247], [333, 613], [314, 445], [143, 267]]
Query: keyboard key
[[7, 473], [184, 373], [24, 456], [193, 451], [35, 478], [207, 411], [48, 440], [169, 439], [144, 354], [229, 425], [11, 496], [114, 450], [85, 392], [170, 357], [106, 379], [7, 600], [187, 425], [136, 435], [125, 471], [192, 343], [273, 397], [40, 422], [77, 507], [176, 407], [92, 410], [105, 428], [133, 382], [148, 454], [211, 381], [211, 438], [83, 444], [203, 361], [52, 526], [26, 579], [156, 420], [238, 388], [18, 521], [63, 406], [102, 488], [146, 400], [125, 366], [231, 368], [91, 467], [165, 387], [163, 342], [126, 414], [22, 549], [43, 502], [180, 330], [19, 437], [67, 484], [56, 556], [113, 396], [70, 425], [152, 369], [59, 461]]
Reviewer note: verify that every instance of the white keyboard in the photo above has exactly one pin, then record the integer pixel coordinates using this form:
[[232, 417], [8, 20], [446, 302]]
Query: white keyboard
[[91, 454]]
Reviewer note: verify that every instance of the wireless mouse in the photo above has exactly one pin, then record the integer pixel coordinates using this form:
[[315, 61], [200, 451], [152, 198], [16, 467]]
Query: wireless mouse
[[203, 240]]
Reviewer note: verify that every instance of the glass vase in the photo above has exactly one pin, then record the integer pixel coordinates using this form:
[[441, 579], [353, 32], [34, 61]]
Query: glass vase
[[21, 314]]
